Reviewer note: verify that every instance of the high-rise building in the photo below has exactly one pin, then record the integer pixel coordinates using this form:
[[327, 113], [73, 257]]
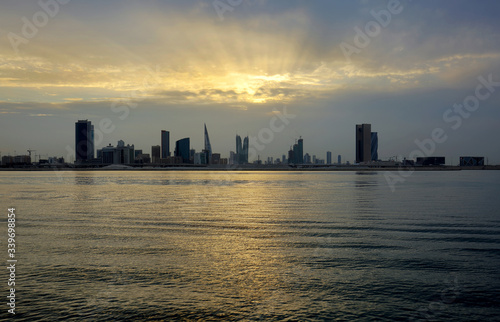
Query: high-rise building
[[374, 146], [328, 157], [300, 151], [307, 158], [363, 143], [182, 149], [295, 153], [84, 141], [291, 156], [339, 159], [208, 146], [165, 144], [245, 149], [155, 153], [241, 150]]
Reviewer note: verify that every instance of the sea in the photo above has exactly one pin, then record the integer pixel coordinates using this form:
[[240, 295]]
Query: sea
[[252, 246]]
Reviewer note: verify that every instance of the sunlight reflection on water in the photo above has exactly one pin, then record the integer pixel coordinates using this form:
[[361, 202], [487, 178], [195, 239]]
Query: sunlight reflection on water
[[255, 245]]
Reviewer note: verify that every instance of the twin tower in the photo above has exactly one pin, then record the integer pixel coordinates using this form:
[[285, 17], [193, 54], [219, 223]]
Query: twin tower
[[366, 143]]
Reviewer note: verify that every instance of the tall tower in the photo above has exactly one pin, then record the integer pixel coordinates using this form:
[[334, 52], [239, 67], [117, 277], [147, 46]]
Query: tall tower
[[182, 149], [155, 153], [84, 141], [245, 150], [363, 142], [239, 149], [300, 151], [374, 146], [165, 144], [208, 146], [295, 153]]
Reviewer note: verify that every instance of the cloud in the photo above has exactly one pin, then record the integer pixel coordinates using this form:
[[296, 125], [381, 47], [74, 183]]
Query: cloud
[[41, 115]]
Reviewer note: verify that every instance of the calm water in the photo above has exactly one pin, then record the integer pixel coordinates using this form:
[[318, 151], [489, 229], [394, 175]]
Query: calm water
[[254, 246]]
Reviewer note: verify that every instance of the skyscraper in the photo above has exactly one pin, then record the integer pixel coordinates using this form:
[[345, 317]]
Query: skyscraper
[[182, 149], [165, 144], [84, 141], [241, 150], [363, 143], [295, 150], [300, 151], [291, 157], [208, 146], [328, 157], [245, 149], [155, 153], [374, 146]]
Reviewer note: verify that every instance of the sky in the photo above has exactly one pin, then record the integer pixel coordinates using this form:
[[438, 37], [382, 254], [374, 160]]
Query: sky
[[424, 74]]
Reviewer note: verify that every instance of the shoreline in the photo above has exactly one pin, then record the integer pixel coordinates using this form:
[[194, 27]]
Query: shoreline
[[256, 168]]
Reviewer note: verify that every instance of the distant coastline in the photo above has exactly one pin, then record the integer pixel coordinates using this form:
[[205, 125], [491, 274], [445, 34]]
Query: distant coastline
[[256, 168]]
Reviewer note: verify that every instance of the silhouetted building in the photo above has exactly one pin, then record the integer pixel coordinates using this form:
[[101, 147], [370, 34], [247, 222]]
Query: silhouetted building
[[208, 146], [18, 160], [55, 160], [328, 157], [339, 159], [307, 159], [374, 146], [233, 158], [200, 158], [241, 150], [121, 154], [182, 149], [106, 154], [471, 161], [295, 154], [431, 161], [155, 153], [291, 156], [300, 151], [143, 158], [216, 159], [84, 141], [363, 143], [165, 144]]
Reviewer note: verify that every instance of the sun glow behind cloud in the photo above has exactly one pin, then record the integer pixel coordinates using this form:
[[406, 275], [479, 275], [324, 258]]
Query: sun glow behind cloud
[[191, 58]]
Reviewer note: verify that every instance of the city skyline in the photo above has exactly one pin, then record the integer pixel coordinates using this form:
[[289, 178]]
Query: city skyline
[[424, 68]]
